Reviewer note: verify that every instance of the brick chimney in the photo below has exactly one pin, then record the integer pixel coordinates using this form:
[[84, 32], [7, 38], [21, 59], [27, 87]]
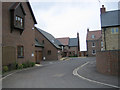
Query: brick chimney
[[87, 29], [103, 9], [78, 41]]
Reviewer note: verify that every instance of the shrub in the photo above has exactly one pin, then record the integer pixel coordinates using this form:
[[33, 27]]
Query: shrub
[[5, 68], [20, 66], [32, 64], [24, 65], [28, 64]]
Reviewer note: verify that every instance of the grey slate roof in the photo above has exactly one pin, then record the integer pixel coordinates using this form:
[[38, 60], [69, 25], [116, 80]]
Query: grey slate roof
[[110, 18], [50, 38], [37, 44], [73, 42]]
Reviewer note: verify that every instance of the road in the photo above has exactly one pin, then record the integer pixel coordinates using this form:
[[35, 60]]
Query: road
[[53, 74]]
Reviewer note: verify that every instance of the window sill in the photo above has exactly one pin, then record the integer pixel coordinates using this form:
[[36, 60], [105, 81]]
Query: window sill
[[20, 57]]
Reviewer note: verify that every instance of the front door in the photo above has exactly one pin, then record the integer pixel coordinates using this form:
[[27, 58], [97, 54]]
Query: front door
[[36, 56], [40, 56]]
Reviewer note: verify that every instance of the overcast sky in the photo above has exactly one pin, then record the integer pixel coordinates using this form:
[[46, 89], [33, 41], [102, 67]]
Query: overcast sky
[[64, 18]]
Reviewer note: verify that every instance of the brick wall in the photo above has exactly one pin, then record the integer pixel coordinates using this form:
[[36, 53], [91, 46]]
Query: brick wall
[[90, 47], [14, 39], [108, 62]]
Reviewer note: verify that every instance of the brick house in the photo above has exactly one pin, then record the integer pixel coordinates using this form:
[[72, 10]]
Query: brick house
[[65, 42], [17, 32], [46, 47], [71, 46], [108, 60], [93, 41]]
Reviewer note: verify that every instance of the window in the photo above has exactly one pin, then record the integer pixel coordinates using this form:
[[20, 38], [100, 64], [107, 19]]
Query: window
[[114, 31], [102, 44], [49, 52], [93, 44], [93, 52], [19, 22], [42, 41], [20, 51], [93, 36]]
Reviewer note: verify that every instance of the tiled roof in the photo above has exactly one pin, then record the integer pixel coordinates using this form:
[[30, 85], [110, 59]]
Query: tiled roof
[[73, 42], [97, 35], [110, 18], [50, 38], [64, 41]]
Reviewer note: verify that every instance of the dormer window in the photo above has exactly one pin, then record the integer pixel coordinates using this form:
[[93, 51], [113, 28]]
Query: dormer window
[[17, 17], [19, 22]]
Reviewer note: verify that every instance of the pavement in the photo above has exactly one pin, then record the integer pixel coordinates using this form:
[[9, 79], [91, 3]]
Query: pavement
[[90, 72], [59, 74]]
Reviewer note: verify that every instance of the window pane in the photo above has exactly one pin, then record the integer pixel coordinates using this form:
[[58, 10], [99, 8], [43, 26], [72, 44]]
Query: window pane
[[93, 36], [116, 29], [112, 30], [20, 51], [16, 18]]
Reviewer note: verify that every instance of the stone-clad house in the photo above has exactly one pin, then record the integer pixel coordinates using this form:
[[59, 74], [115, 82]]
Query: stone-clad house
[[108, 60], [71, 46], [93, 41], [17, 32], [110, 29], [46, 47]]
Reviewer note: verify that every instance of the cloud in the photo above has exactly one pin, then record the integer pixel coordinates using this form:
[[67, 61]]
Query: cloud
[[66, 19]]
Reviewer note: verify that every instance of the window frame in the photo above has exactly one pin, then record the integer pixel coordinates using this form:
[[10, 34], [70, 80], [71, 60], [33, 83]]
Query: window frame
[[93, 44], [49, 52], [93, 52], [18, 23], [20, 51]]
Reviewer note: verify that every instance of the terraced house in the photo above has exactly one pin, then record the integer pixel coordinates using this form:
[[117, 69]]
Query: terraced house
[[17, 32]]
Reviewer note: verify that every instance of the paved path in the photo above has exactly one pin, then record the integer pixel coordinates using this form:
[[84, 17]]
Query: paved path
[[53, 74]]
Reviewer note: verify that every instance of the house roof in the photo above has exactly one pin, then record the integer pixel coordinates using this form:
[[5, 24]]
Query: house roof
[[97, 35], [16, 4], [110, 18], [37, 44], [64, 40], [50, 38], [73, 42]]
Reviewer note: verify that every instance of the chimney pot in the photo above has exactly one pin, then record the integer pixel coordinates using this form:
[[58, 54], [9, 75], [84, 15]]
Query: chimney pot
[[87, 29], [103, 9]]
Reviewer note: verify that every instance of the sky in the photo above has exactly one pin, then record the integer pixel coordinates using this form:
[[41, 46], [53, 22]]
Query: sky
[[64, 18]]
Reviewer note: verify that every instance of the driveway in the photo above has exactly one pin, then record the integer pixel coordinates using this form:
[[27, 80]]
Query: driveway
[[56, 74]]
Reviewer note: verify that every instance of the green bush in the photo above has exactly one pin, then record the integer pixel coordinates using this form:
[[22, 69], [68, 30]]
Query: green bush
[[14, 66], [24, 65], [28, 64], [32, 64], [20, 66], [5, 68]]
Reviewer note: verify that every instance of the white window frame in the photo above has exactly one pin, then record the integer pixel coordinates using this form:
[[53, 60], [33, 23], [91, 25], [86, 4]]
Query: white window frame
[[94, 53], [92, 44]]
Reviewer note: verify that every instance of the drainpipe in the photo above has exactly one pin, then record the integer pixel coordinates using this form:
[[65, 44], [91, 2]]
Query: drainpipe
[[105, 38]]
